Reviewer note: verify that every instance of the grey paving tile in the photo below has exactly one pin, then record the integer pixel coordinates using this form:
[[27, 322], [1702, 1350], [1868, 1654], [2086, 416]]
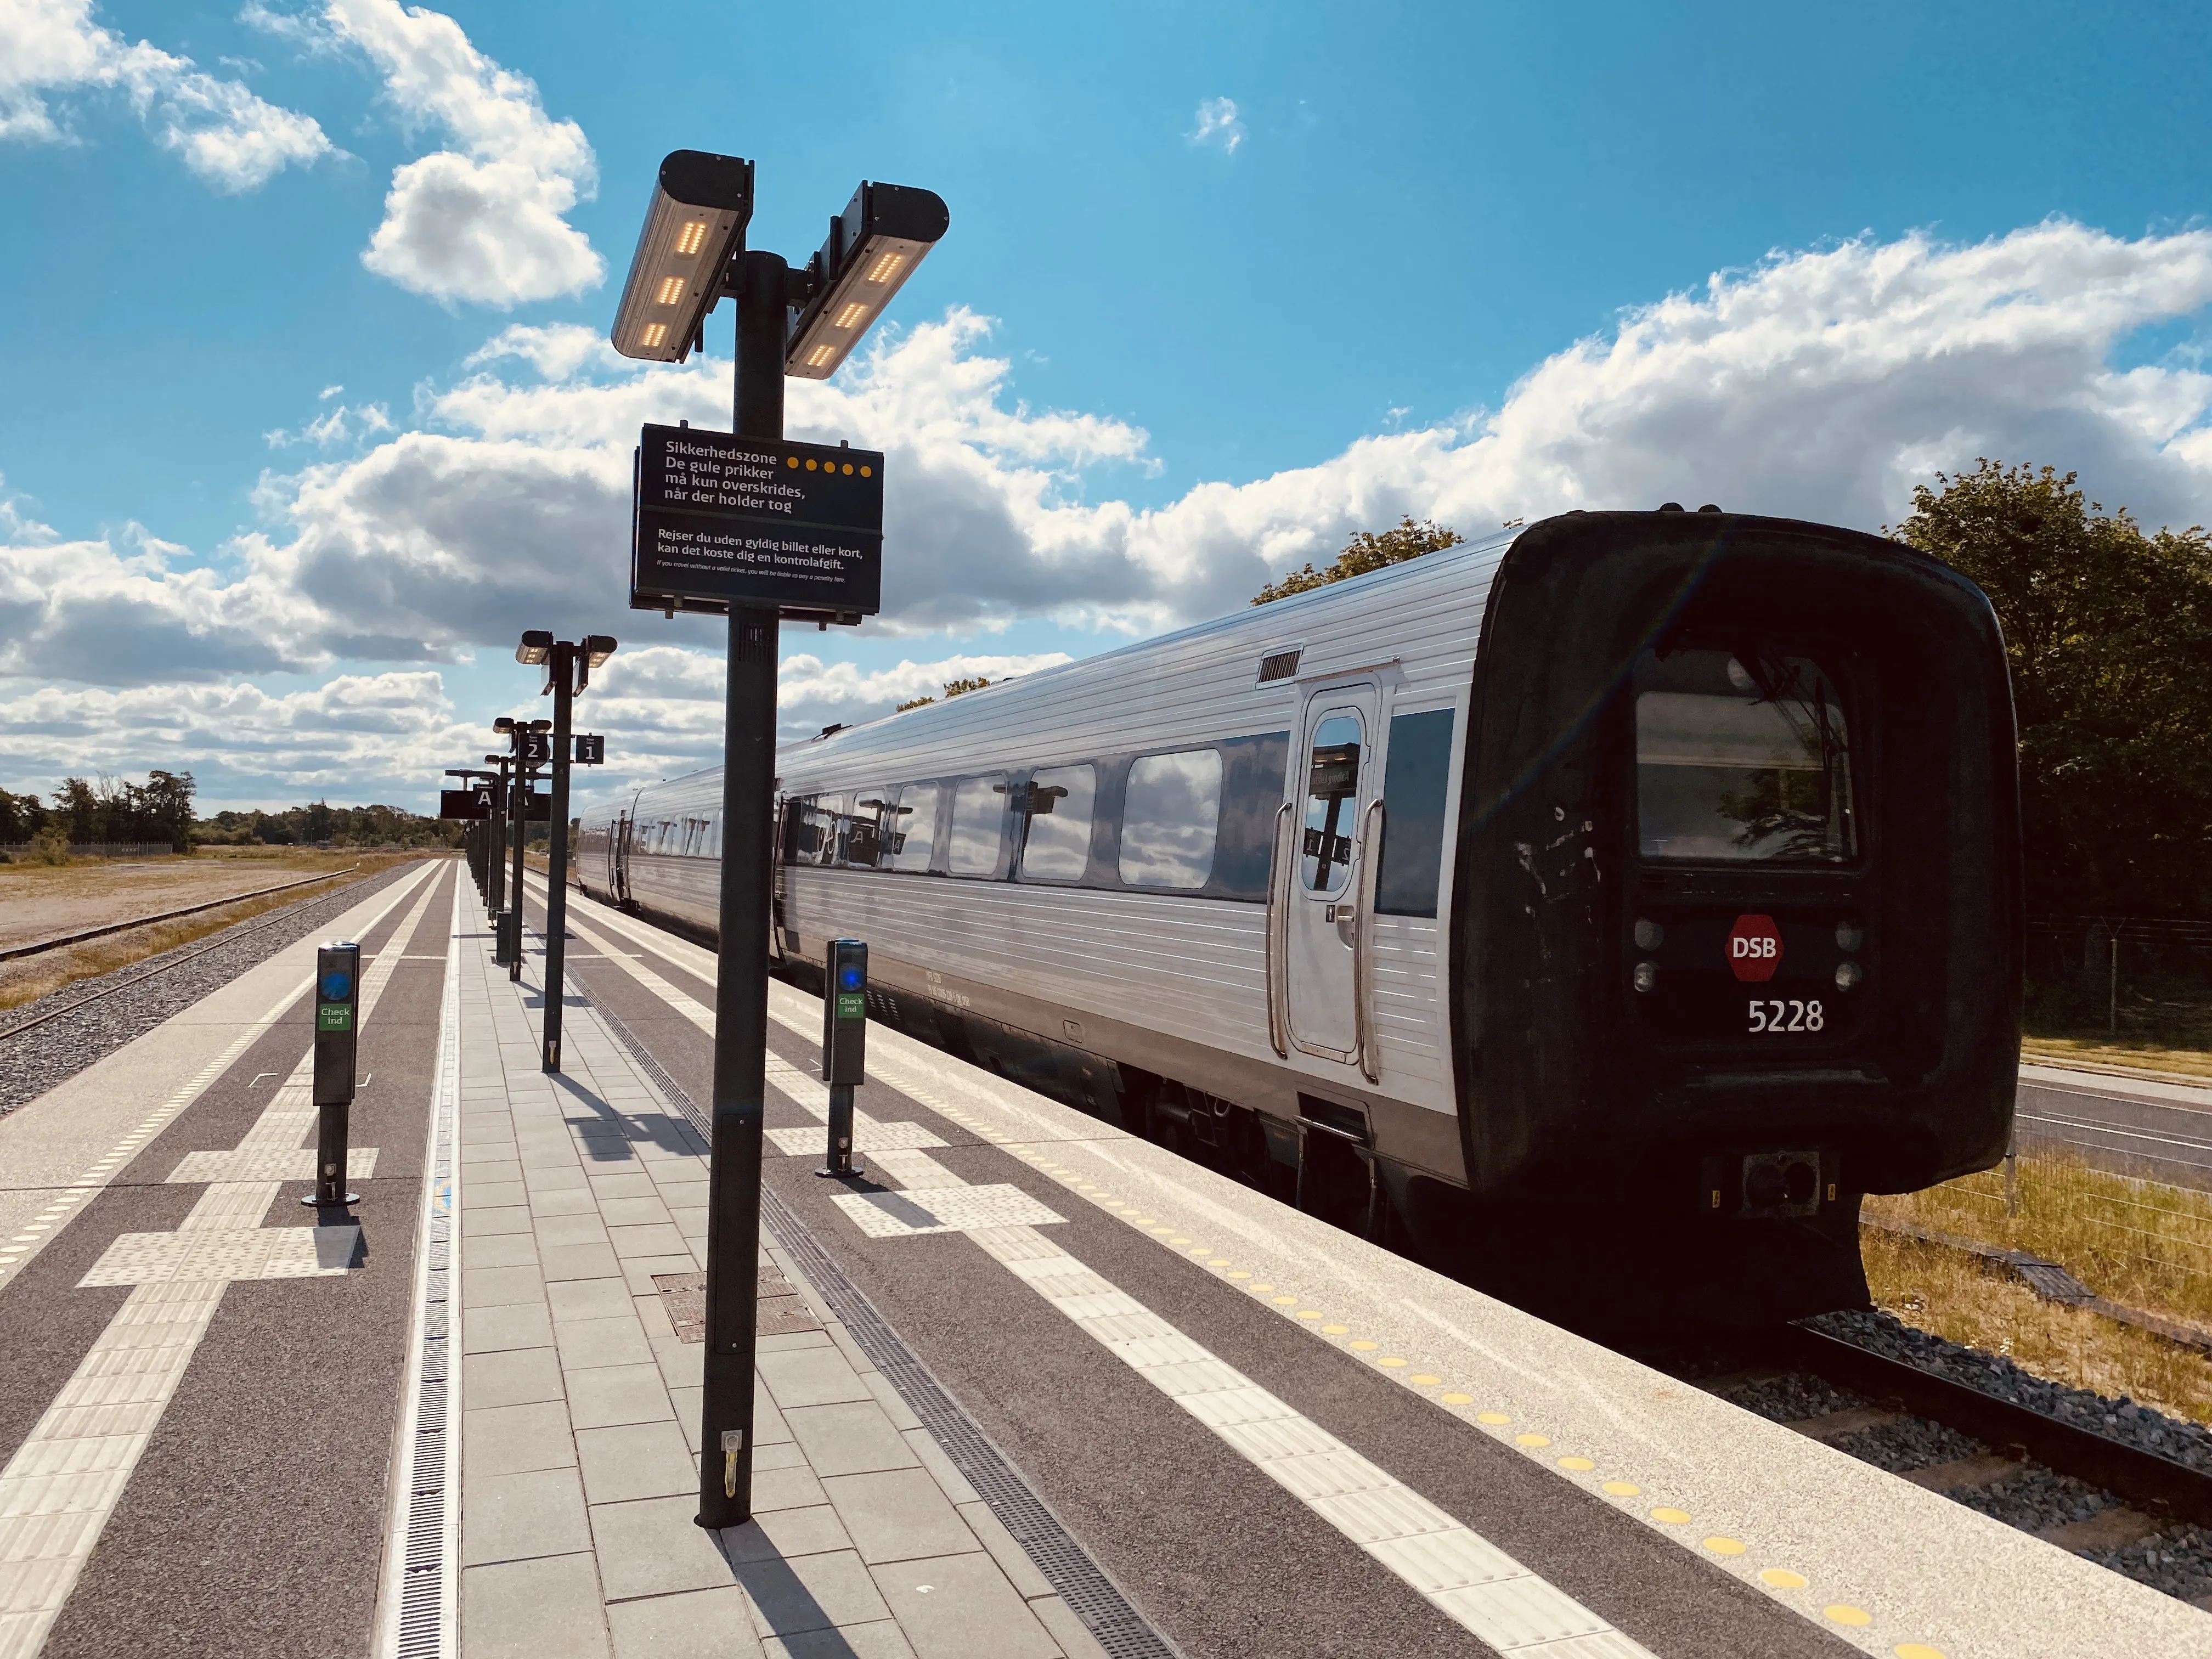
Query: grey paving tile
[[610, 1395], [636, 1460], [631, 1212], [785, 1339], [488, 1171], [638, 1271], [629, 1184], [850, 1349], [849, 1439], [578, 1262], [654, 1547], [784, 1454], [898, 1514], [547, 1608], [499, 1287], [789, 1485], [582, 1228], [652, 1312], [812, 1593], [1013, 1560], [879, 1640], [968, 1608], [708, 1623], [1060, 1622], [893, 1403], [513, 1377], [604, 1298], [686, 1403], [953, 1484], [660, 1238], [556, 1178], [810, 1529], [510, 1518], [683, 1364], [809, 1376], [549, 1157], [503, 1250], [510, 1438], [615, 1340], [484, 1223], [483, 1194]]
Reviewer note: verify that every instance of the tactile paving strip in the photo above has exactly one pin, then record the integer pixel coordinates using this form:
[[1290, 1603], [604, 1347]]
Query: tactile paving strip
[[1097, 1600]]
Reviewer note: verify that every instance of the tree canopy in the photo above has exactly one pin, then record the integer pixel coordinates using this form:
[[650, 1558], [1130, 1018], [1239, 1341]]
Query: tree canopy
[[2109, 631], [1370, 550], [952, 688]]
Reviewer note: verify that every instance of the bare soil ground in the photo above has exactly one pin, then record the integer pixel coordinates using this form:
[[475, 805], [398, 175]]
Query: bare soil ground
[[38, 901]]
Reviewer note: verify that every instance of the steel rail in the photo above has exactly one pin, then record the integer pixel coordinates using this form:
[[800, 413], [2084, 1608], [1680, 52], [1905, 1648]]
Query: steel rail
[[59, 940], [2160, 1486], [227, 935]]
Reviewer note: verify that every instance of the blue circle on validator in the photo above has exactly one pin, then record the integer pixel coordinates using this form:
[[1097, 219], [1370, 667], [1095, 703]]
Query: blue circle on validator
[[849, 977], [337, 988]]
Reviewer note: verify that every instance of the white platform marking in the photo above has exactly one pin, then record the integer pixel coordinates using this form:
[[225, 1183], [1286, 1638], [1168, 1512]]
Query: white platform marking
[[59, 1488]]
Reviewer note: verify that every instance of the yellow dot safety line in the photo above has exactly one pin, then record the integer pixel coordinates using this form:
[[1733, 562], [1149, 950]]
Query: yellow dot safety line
[[1316, 1321]]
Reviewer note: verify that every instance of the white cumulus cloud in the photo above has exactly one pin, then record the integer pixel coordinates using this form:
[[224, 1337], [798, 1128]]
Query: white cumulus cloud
[[483, 221], [230, 137]]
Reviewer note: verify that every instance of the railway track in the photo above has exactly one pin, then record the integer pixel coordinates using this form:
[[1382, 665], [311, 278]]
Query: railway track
[[62, 941]]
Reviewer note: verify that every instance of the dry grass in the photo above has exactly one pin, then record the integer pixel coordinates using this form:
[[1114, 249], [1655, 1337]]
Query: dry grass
[[2129, 1053], [2137, 1243], [1951, 1294], [33, 977]]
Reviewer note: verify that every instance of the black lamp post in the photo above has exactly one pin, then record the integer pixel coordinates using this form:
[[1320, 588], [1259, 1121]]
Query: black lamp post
[[567, 671], [691, 254]]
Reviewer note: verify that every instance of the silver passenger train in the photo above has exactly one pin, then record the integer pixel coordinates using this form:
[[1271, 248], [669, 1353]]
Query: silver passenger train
[[1596, 917]]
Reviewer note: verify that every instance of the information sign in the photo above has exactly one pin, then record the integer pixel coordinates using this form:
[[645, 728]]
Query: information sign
[[466, 803], [536, 747], [591, 749], [722, 520]]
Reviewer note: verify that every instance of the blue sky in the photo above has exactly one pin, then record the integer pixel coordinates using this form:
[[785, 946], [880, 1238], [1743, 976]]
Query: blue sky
[[1223, 283]]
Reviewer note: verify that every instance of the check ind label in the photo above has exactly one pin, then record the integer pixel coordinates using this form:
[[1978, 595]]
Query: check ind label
[[852, 1005], [334, 1017]]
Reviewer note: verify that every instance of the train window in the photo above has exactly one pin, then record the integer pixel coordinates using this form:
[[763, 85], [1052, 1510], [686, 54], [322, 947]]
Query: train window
[[1742, 758], [1058, 845], [802, 835], [910, 833], [1414, 774], [864, 841], [1251, 793], [1170, 815], [830, 812], [979, 824], [1332, 796]]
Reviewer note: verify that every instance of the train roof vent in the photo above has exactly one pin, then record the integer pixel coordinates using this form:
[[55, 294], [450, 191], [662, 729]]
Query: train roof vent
[[1279, 665]]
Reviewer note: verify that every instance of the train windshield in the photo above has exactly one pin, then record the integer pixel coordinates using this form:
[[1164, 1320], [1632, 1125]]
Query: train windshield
[[1741, 757]]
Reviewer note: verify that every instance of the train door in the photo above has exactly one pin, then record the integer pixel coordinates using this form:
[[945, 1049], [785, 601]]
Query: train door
[[618, 858], [1340, 781]]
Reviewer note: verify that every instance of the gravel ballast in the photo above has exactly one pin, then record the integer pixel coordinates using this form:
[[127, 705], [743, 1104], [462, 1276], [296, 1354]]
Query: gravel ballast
[[52, 1053]]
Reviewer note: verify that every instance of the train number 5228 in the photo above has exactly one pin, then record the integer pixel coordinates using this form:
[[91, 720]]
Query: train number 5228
[[1770, 1016]]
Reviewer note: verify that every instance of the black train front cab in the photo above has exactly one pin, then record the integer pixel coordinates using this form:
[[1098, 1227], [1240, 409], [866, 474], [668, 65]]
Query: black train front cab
[[1739, 856]]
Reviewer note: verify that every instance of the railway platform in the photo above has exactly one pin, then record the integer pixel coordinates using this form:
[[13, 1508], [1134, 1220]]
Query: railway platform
[[1030, 1385]]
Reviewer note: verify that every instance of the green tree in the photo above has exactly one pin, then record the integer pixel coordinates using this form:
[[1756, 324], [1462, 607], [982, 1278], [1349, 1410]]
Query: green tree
[[1370, 550], [952, 688], [2109, 631]]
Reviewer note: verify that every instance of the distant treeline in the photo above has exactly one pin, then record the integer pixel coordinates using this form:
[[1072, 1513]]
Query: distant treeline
[[161, 810]]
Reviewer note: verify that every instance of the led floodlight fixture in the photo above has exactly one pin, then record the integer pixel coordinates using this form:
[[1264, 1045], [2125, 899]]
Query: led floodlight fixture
[[697, 220], [874, 245], [505, 723], [598, 648], [537, 645]]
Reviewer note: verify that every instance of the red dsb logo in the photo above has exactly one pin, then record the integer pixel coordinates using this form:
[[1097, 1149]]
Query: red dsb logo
[[1754, 948]]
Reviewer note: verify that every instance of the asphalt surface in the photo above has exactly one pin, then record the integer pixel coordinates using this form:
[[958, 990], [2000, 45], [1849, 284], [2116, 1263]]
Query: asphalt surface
[[1219, 1557], [254, 1522], [2155, 1131]]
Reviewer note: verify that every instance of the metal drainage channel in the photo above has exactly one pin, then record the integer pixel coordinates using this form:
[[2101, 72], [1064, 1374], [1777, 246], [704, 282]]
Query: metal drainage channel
[[1096, 1599]]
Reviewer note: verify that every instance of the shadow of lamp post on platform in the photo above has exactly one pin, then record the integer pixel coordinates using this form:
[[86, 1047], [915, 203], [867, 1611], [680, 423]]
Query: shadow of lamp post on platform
[[568, 666], [747, 524]]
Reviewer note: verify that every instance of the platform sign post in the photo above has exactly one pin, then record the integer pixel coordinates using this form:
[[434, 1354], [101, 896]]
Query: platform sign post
[[844, 1046], [568, 666], [747, 524], [496, 863], [338, 1002]]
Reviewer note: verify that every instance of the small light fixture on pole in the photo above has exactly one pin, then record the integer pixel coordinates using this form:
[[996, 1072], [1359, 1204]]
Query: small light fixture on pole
[[874, 245], [568, 671], [694, 228]]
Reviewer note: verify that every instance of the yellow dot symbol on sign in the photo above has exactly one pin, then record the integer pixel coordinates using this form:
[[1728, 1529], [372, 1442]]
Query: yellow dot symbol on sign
[[1916, 1650], [1844, 1614], [1393, 1363], [1499, 1418], [791, 460], [810, 464], [1426, 1380], [1783, 1578], [1725, 1545], [848, 469], [1335, 1330], [867, 472], [1461, 1399], [1534, 1439], [1579, 1465], [1623, 1488], [1673, 1517], [1363, 1346]]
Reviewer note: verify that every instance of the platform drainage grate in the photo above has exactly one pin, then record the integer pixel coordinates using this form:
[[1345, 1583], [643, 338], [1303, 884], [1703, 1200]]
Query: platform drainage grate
[[1080, 1582]]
